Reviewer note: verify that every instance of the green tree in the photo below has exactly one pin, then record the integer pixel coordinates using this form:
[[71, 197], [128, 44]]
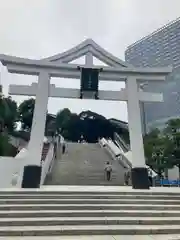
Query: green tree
[[172, 132], [73, 128], [89, 124], [62, 119], [94, 126], [8, 113], [4, 144], [25, 110], [172, 126], [8, 117], [50, 128], [157, 149]]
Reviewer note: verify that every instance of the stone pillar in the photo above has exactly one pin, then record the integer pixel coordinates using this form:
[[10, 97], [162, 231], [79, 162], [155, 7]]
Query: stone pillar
[[89, 60], [139, 170], [32, 169]]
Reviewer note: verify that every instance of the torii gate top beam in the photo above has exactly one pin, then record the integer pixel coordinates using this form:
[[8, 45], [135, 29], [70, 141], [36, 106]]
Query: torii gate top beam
[[34, 67], [88, 46]]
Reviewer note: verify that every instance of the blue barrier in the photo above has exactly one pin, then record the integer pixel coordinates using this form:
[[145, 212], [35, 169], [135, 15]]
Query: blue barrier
[[168, 182]]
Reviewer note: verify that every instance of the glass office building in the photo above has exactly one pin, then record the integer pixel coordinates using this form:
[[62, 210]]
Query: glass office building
[[161, 48]]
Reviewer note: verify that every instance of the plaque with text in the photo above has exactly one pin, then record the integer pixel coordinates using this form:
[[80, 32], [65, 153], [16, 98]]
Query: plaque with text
[[89, 80]]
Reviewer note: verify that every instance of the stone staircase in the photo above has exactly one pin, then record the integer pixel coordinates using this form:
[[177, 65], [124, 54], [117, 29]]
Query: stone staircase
[[48, 212], [83, 164]]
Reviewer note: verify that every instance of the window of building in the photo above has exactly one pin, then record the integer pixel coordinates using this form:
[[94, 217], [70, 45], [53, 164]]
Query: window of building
[[165, 43], [173, 47], [176, 64], [167, 53]]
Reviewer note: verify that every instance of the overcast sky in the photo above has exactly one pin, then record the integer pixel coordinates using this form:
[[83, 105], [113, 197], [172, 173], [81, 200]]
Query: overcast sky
[[41, 28]]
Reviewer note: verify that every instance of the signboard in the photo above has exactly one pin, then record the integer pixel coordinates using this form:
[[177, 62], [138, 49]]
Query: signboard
[[89, 80], [165, 182]]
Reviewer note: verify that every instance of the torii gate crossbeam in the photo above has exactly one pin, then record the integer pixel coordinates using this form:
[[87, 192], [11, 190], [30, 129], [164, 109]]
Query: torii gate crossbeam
[[34, 67]]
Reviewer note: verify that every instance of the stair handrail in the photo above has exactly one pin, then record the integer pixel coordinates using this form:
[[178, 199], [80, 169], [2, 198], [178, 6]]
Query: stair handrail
[[51, 156], [119, 154], [49, 160], [122, 157], [121, 142], [113, 151]]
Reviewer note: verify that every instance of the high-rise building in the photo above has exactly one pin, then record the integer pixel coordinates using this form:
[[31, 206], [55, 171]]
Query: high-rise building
[[161, 48]]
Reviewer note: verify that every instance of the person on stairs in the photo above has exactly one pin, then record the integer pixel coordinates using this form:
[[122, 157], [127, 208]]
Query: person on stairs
[[127, 176], [150, 176], [108, 170]]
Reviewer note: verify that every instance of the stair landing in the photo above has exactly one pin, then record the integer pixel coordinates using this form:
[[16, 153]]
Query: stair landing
[[121, 237]]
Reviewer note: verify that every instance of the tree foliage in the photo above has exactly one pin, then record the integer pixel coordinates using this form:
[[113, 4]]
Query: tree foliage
[[172, 132], [157, 149], [8, 117], [8, 113], [162, 149], [88, 124], [6, 149], [71, 125], [50, 127], [25, 110], [25, 113], [62, 119]]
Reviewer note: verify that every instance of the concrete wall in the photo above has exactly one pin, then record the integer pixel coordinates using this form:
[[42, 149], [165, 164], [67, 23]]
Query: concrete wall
[[11, 168], [18, 142], [173, 174], [10, 172]]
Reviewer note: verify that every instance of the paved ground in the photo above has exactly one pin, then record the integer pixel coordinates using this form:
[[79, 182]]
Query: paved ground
[[93, 189], [83, 164], [141, 237], [103, 189]]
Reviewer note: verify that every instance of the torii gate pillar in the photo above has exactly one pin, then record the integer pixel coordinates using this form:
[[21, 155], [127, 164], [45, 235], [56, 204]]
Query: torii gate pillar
[[139, 171], [32, 169]]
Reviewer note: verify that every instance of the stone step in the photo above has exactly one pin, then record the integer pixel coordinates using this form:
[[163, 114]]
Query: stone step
[[87, 176], [93, 173], [52, 212], [50, 191], [88, 201], [100, 237], [85, 206], [101, 182], [88, 213], [37, 195], [88, 230], [52, 221]]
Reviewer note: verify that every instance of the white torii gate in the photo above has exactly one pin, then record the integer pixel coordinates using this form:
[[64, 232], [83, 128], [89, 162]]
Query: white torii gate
[[59, 66]]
